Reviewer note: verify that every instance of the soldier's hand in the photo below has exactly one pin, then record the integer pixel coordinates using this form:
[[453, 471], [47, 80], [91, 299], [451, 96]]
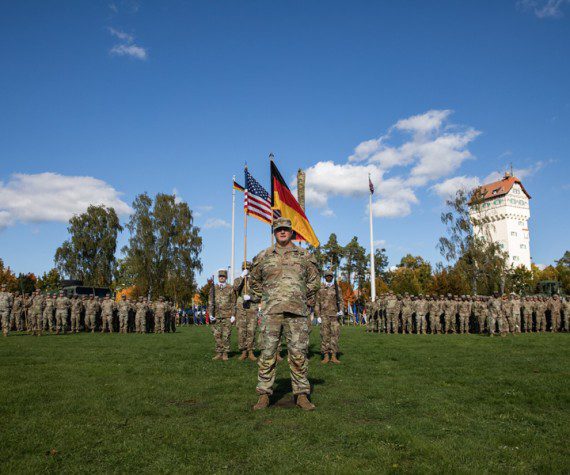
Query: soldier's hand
[[232, 319], [340, 314], [246, 297], [319, 320], [244, 272]]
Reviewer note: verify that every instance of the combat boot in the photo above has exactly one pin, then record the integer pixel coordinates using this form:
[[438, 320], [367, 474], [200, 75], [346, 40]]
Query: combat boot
[[243, 355], [225, 357], [334, 359], [252, 356], [325, 359], [304, 403], [262, 403], [217, 357]]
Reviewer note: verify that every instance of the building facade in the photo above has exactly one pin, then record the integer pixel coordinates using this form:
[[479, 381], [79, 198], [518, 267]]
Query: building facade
[[500, 212]]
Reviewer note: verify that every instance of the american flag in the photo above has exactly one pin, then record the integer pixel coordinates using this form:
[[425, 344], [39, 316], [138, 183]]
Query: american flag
[[370, 185], [256, 200]]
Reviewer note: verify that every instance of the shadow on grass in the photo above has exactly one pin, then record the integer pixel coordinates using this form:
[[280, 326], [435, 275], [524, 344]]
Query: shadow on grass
[[282, 392]]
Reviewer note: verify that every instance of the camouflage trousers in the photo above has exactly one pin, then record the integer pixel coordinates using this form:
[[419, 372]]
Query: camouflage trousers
[[61, 320], [435, 323], [372, 324], [407, 322], [481, 318], [48, 322], [527, 320], [90, 322], [421, 325], [123, 322], [140, 322], [491, 323], [449, 323], [107, 322], [75, 322], [158, 323], [17, 320], [463, 323], [513, 323], [540, 322], [555, 321], [296, 332], [246, 322], [35, 321], [5, 318], [330, 334], [222, 331], [391, 322]]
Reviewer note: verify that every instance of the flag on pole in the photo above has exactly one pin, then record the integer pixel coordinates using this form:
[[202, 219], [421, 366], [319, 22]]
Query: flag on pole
[[370, 185], [256, 200], [238, 187], [284, 201]]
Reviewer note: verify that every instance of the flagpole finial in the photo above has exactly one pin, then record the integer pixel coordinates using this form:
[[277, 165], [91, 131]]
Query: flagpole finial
[[271, 156]]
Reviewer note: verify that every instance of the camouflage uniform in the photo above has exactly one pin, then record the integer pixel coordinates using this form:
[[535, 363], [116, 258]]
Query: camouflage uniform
[[222, 306], [327, 307], [513, 314], [160, 310], [435, 307], [450, 310], [107, 309], [36, 310], [285, 280], [566, 310], [62, 305], [464, 311], [76, 308], [493, 312], [92, 307], [373, 316], [48, 321], [540, 310], [6, 301], [527, 314], [407, 312], [393, 305], [246, 314], [481, 313], [422, 308], [17, 314], [140, 316], [123, 309], [502, 323], [555, 307]]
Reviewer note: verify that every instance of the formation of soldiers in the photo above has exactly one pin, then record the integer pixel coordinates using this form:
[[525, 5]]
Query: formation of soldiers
[[59, 314], [392, 313]]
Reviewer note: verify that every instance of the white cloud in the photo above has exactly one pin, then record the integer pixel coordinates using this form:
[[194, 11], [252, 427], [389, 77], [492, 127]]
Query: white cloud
[[121, 35], [54, 197], [213, 223], [430, 148], [379, 243], [448, 188], [544, 8], [134, 51]]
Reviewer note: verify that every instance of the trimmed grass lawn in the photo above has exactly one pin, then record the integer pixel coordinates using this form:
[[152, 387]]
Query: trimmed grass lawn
[[398, 403]]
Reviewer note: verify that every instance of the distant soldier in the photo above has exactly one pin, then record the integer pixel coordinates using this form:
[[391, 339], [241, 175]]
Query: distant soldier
[[35, 324], [123, 309], [493, 312], [566, 311], [372, 315], [62, 306], [513, 313], [17, 314], [246, 314], [160, 310], [222, 307], [6, 302], [140, 316], [422, 309], [76, 310], [393, 306], [464, 311], [107, 312], [501, 317], [555, 307], [407, 309], [328, 307], [92, 308], [480, 311], [435, 309], [48, 317], [285, 279], [540, 310]]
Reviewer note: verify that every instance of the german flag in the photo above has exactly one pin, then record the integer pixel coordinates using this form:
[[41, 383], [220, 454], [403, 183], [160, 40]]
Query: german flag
[[238, 187], [283, 200]]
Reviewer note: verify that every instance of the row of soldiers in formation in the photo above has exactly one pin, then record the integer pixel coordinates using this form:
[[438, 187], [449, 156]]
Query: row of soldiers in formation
[[392, 313], [58, 314]]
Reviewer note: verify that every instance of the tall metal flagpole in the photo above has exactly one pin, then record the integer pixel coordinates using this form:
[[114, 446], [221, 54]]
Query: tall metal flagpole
[[245, 225], [232, 262], [372, 270]]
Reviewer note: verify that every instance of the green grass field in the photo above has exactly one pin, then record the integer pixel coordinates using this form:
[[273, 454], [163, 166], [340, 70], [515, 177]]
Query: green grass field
[[400, 403]]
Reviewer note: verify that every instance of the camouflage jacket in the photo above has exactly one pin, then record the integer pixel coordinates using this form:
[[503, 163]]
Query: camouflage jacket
[[6, 300], [107, 307], [222, 304], [464, 308], [422, 306], [38, 303], [285, 281], [49, 306], [407, 306], [92, 307], [393, 305], [18, 305], [123, 308], [62, 304], [160, 309], [76, 307], [142, 308], [326, 302]]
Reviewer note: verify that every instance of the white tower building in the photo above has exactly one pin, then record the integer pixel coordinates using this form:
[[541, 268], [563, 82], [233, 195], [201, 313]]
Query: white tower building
[[501, 214]]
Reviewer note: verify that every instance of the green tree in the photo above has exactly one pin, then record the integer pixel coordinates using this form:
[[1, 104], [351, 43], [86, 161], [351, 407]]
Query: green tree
[[421, 267], [318, 254], [26, 283], [49, 281], [7, 277], [405, 280], [89, 254], [332, 252], [164, 248], [380, 262], [563, 268], [481, 261], [520, 281], [204, 292], [354, 262]]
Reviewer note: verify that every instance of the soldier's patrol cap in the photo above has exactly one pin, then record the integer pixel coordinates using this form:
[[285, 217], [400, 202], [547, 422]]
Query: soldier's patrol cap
[[282, 223], [222, 273], [329, 273]]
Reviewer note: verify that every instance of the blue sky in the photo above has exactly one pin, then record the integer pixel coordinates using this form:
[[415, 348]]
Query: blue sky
[[103, 100]]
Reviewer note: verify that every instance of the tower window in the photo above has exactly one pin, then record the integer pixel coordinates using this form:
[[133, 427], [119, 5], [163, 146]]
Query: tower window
[[513, 233]]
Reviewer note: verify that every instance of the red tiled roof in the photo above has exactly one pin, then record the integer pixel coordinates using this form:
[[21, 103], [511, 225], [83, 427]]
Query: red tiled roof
[[499, 188]]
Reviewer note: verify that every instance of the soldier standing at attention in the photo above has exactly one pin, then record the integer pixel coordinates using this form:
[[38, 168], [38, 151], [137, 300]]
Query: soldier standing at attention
[[160, 310], [76, 309], [222, 306], [61, 309], [285, 278], [464, 310], [422, 308], [140, 316], [107, 309], [555, 307], [6, 302], [48, 313], [123, 309], [246, 314], [527, 314], [407, 312], [16, 320], [566, 311], [328, 307], [91, 309], [393, 305]]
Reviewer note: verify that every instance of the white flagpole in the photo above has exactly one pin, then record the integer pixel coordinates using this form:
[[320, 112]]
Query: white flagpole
[[232, 262], [372, 270]]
